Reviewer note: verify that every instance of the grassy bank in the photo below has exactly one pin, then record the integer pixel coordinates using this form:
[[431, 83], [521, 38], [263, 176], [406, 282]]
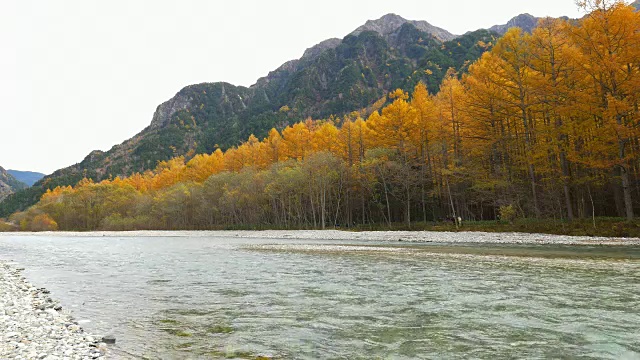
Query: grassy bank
[[605, 227]]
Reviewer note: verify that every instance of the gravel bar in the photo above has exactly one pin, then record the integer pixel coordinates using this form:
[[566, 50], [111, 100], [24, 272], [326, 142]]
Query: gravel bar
[[33, 326], [378, 236]]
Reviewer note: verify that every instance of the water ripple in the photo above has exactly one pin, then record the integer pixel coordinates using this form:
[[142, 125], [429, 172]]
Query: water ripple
[[199, 297]]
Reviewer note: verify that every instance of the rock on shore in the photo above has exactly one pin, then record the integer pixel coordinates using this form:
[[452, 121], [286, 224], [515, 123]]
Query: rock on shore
[[33, 326]]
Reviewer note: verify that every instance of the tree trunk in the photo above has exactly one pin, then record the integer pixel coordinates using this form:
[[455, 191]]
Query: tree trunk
[[408, 207], [534, 192], [626, 193], [453, 209], [565, 185], [323, 206], [386, 197]]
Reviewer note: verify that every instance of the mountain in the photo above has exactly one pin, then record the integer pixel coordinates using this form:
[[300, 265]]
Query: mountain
[[332, 78], [526, 22], [8, 184], [26, 177]]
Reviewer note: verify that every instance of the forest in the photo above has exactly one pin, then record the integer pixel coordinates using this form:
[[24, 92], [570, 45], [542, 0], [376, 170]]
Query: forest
[[543, 126]]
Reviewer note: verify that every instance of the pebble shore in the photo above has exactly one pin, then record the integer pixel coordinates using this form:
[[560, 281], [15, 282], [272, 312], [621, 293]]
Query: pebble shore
[[34, 326], [377, 236]]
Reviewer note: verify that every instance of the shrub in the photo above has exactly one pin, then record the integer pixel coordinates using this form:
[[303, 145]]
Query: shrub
[[6, 227], [622, 229], [117, 222], [508, 213], [42, 222]]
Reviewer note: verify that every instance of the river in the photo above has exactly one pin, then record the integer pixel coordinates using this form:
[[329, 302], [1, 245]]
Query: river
[[174, 297]]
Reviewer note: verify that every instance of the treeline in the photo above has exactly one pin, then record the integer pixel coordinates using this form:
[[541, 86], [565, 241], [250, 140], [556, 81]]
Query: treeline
[[545, 124]]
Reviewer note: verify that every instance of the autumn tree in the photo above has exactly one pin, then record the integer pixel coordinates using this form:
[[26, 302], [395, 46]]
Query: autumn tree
[[609, 42]]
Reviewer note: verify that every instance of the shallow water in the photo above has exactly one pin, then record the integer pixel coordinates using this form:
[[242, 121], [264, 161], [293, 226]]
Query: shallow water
[[186, 297]]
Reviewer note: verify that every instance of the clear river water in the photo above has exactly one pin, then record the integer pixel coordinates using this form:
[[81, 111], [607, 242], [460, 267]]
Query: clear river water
[[202, 298]]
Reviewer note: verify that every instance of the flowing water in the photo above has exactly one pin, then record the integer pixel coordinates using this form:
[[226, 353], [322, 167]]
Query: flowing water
[[195, 297]]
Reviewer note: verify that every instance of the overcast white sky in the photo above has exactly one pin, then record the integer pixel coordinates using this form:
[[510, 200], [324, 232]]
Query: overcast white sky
[[81, 75]]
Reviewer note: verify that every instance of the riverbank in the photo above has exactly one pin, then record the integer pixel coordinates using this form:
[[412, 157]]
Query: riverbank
[[597, 227], [375, 236], [600, 227], [36, 327]]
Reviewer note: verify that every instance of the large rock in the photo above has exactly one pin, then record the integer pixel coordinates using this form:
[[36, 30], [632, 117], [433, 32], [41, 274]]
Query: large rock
[[109, 339]]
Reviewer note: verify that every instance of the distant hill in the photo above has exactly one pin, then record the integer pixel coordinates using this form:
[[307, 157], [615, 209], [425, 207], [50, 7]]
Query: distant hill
[[27, 177], [9, 184]]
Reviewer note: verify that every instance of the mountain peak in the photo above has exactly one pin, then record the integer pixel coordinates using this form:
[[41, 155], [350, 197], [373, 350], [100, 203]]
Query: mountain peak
[[392, 16], [526, 22], [385, 25], [390, 23], [390, 19]]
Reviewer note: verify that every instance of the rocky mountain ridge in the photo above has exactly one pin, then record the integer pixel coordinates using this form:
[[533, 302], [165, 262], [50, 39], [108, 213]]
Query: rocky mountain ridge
[[389, 24], [526, 22]]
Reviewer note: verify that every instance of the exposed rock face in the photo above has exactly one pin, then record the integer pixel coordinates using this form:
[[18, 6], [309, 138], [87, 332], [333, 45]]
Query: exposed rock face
[[316, 50], [526, 22], [284, 70], [8, 184], [165, 111], [5, 190], [390, 23]]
